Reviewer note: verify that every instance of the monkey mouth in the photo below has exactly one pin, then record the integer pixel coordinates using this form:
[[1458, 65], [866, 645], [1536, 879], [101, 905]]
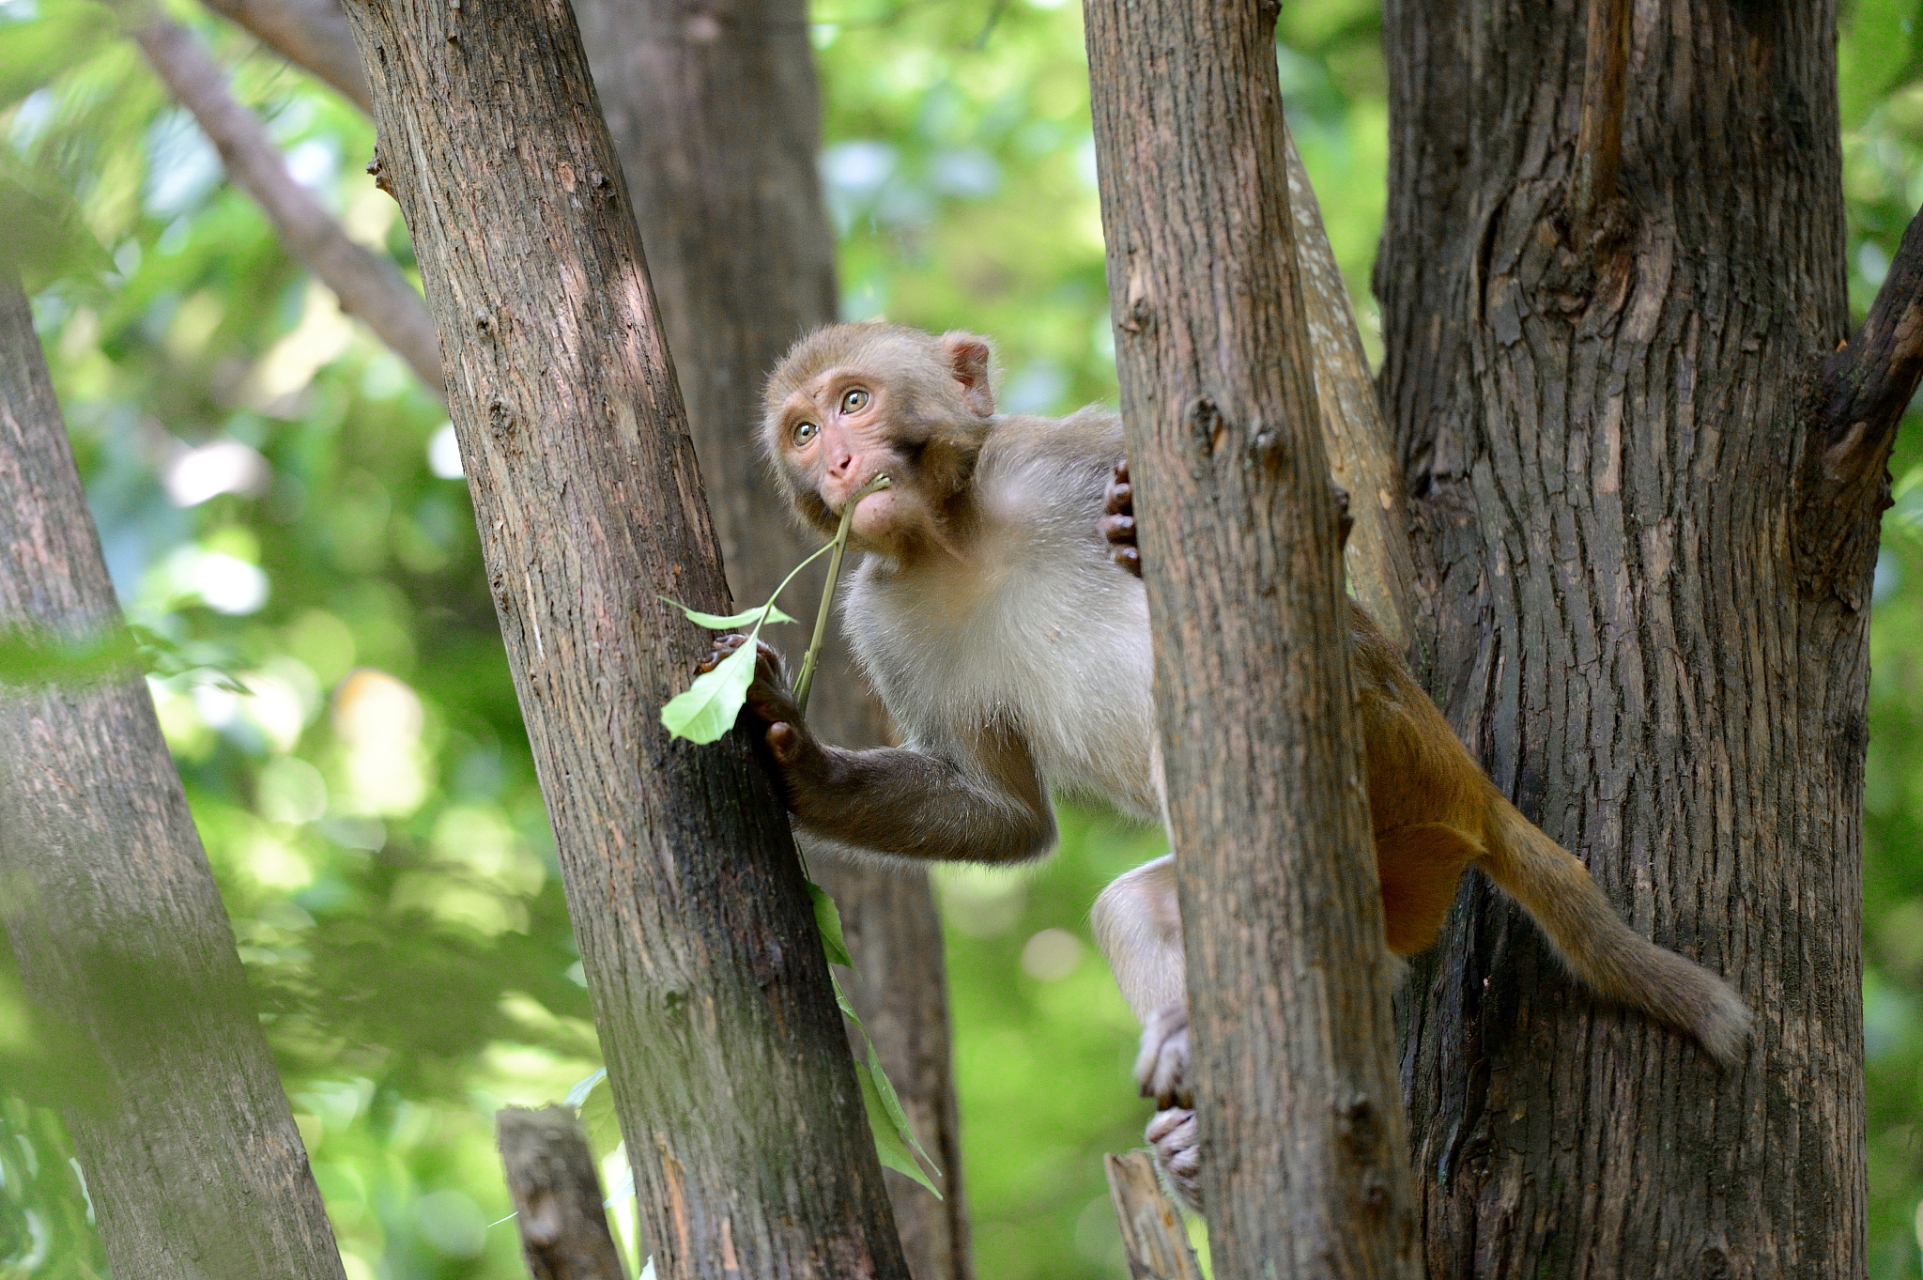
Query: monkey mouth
[[873, 485]]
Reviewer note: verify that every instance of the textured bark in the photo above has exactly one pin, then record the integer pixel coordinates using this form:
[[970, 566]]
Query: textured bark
[[193, 1162], [1153, 1240], [714, 112], [1604, 439], [1362, 458], [730, 1071], [369, 287], [557, 1195], [1304, 1171], [311, 34]]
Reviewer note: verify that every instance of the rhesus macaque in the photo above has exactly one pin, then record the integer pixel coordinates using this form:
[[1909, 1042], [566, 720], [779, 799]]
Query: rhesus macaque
[[1013, 654]]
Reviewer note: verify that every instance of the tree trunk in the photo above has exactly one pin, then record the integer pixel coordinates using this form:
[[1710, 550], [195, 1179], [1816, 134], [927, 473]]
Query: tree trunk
[[714, 112], [730, 1071], [1603, 435], [192, 1159], [1304, 1169]]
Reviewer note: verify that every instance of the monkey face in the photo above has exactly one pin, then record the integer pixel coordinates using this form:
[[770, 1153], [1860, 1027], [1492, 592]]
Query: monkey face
[[854, 401]]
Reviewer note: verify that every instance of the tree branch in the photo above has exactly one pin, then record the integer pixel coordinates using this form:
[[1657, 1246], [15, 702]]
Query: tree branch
[[1381, 561], [369, 286], [311, 34], [1599, 143], [557, 1196], [1861, 394]]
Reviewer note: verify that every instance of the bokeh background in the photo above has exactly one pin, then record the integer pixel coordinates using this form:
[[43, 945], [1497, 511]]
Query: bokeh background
[[278, 497]]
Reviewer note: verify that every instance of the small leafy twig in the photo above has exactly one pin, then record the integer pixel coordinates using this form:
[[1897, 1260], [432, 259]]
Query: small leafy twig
[[895, 1142], [708, 710], [709, 707], [840, 545]]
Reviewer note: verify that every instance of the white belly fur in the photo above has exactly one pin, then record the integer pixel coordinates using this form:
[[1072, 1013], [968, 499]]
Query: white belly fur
[[1050, 636]]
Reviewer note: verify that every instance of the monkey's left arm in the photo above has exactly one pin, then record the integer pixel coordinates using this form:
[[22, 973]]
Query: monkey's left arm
[[986, 803]]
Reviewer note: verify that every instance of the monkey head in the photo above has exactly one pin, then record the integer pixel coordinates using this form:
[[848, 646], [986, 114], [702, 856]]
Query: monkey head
[[851, 401]]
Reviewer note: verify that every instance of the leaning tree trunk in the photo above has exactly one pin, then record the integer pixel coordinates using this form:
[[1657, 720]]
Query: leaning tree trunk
[[730, 1070], [714, 112], [1601, 391], [193, 1163], [1302, 1136]]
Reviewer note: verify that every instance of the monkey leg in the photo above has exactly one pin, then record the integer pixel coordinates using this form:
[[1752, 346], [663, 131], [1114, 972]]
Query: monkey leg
[[1419, 867], [1139, 925]]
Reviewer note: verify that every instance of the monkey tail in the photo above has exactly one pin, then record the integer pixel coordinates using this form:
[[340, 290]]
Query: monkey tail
[[1592, 940]]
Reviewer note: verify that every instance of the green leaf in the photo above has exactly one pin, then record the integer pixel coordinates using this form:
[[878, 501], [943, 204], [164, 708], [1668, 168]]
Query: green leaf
[[891, 1101], [889, 1144], [828, 920], [582, 1088], [707, 710], [733, 621]]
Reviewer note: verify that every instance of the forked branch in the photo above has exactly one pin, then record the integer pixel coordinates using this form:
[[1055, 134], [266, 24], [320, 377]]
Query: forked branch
[[369, 286], [1861, 394]]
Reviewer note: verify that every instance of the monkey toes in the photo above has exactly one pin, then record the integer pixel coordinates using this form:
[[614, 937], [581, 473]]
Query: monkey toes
[[1118, 521], [1178, 1150], [1162, 1066]]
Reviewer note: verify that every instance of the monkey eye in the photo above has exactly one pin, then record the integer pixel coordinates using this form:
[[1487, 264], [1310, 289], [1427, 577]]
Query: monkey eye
[[855, 401], [804, 432]]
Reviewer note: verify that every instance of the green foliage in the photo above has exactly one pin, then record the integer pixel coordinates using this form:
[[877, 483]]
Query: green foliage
[[278, 500]]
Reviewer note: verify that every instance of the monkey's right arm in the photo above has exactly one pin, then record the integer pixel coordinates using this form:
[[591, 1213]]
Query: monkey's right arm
[[988, 807]]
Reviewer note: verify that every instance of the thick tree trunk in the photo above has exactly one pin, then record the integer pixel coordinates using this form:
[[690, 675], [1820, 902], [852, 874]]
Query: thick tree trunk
[[193, 1162], [730, 1071], [1304, 1170], [714, 112], [1603, 435]]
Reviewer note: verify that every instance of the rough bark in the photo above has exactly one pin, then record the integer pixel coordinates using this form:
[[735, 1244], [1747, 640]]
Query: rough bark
[[1603, 438], [369, 287], [1304, 1167], [311, 34], [557, 1195], [714, 111], [193, 1162], [730, 1071]]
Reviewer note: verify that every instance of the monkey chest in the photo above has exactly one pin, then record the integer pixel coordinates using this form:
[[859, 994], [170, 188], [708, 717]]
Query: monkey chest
[[1067, 661]]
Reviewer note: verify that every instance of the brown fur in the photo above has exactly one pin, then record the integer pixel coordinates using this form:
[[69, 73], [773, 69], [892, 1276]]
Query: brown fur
[[1435, 812]]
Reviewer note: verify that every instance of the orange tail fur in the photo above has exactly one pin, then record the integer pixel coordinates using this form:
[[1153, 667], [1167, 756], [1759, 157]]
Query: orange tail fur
[[1592, 940]]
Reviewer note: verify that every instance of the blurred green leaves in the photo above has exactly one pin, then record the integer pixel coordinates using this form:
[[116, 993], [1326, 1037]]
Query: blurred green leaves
[[259, 470]]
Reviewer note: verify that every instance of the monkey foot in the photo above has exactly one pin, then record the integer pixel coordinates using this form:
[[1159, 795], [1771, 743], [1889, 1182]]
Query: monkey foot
[[1161, 1068], [1173, 1137]]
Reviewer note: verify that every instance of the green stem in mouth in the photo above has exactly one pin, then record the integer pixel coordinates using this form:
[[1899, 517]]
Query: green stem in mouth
[[840, 545]]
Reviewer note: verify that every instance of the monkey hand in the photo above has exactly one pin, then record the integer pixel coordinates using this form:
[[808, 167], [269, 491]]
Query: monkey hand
[[791, 749], [1178, 1151], [1162, 1067], [1118, 521]]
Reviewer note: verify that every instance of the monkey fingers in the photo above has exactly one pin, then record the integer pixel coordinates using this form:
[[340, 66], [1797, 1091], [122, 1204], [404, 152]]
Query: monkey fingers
[[1178, 1150], [1161, 1069], [1118, 522]]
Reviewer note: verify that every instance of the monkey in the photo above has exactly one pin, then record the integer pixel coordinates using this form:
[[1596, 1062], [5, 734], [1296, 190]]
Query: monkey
[[993, 622]]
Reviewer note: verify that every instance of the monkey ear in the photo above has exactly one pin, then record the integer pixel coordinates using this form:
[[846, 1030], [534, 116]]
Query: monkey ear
[[968, 359]]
